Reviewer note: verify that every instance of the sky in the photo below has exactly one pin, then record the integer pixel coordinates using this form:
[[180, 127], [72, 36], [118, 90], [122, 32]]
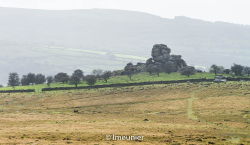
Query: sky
[[233, 11]]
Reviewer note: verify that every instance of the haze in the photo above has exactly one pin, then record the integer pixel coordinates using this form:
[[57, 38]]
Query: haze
[[234, 11]]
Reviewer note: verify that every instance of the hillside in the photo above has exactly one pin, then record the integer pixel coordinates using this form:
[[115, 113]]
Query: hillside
[[52, 41], [203, 113], [137, 78]]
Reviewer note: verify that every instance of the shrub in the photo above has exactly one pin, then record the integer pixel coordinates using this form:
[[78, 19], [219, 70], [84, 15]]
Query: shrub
[[187, 71], [90, 79]]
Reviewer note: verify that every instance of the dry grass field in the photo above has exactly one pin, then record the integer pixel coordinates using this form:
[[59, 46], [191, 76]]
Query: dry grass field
[[192, 114]]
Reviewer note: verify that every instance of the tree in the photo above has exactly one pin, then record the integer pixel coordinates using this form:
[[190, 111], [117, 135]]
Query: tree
[[106, 75], [246, 70], [78, 73], [129, 70], [31, 78], [76, 77], [75, 80], [62, 77], [97, 72], [90, 79], [13, 80], [40, 79], [216, 69], [24, 80], [187, 71], [49, 80], [237, 69]]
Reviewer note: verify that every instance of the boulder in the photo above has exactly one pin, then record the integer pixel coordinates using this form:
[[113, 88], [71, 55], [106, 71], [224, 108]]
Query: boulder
[[160, 53], [162, 59]]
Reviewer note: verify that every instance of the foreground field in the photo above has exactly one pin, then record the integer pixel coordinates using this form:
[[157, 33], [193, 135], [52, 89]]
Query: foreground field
[[204, 113]]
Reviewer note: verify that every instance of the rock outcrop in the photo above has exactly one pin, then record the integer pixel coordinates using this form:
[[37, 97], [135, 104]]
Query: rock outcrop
[[163, 61]]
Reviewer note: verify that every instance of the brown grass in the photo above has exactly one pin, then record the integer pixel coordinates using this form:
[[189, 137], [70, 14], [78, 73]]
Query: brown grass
[[222, 112]]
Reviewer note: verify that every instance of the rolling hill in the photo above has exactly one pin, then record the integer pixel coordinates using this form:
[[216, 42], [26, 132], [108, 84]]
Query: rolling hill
[[49, 41]]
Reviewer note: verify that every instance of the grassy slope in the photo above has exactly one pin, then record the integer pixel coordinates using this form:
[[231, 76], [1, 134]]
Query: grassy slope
[[204, 113], [142, 77]]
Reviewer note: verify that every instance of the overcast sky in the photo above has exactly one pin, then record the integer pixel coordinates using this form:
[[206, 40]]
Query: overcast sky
[[235, 11]]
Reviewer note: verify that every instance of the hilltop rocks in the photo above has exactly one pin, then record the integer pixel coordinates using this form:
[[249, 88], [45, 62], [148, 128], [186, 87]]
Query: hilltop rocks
[[160, 53], [163, 61]]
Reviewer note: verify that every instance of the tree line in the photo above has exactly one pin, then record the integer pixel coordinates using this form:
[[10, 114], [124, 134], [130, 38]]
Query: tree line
[[78, 75], [76, 78], [236, 69]]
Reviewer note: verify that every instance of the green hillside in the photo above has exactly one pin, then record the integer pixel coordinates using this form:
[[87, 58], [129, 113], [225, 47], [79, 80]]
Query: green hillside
[[141, 77]]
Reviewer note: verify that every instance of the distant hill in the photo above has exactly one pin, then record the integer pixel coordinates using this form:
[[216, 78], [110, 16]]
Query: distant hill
[[52, 41]]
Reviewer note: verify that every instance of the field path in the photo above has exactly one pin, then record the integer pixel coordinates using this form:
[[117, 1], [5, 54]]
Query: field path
[[191, 115], [190, 112]]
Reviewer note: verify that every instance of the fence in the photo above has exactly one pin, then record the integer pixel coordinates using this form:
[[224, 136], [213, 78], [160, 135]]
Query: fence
[[123, 85], [17, 91], [128, 84]]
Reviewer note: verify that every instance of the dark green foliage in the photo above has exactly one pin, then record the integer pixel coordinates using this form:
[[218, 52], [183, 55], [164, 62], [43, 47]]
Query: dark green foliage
[[106, 75], [75, 80], [62, 77], [13, 80], [24, 80], [237, 69], [90, 79], [31, 78], [187, 71], [129, 70], [40, 79], [49, 80], [216, 69], [76, 77], [246, 70], [79, 74]]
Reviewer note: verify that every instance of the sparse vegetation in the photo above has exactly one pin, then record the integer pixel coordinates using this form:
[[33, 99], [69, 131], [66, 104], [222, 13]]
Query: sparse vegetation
[[161, 113]]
